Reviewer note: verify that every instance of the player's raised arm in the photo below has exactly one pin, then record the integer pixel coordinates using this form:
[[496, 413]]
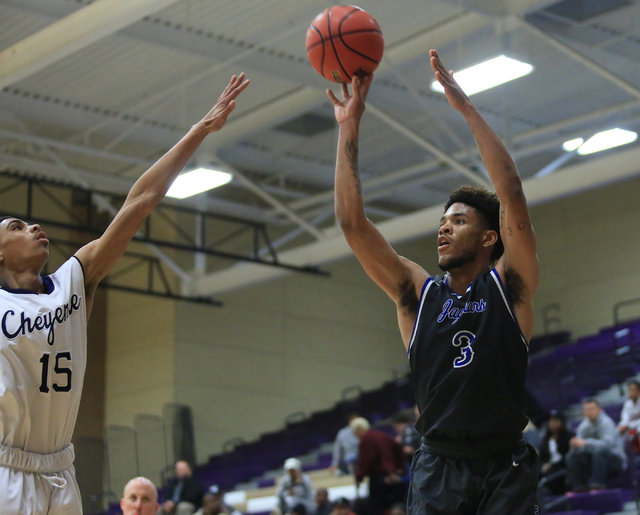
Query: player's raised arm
[[515, 225], [397, 276], [99, 256]]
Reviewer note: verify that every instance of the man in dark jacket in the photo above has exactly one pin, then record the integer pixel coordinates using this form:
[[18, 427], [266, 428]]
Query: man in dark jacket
[[186, 496], [380, 458]]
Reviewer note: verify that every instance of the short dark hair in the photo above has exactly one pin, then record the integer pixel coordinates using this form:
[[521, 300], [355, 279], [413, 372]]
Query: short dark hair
[[487, 204], [635, 383], [591, 400]]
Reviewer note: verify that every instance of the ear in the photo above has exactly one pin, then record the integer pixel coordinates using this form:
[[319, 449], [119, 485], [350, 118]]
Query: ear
[[490, 237]]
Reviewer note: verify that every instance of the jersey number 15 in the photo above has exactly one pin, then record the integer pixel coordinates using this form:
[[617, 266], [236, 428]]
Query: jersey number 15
[[62, 373]]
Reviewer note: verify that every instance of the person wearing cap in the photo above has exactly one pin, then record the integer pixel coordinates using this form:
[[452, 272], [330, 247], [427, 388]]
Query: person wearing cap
[[553, 450], [294, 488], [140, 497]]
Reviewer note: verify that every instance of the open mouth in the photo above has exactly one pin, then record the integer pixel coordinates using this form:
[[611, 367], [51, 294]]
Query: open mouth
[[442, 243]]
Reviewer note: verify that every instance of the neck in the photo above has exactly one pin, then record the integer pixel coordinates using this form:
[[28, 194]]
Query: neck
[[459, 278], [22, 280]]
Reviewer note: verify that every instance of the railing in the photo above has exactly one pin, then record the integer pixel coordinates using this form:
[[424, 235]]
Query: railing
[[618, 306]]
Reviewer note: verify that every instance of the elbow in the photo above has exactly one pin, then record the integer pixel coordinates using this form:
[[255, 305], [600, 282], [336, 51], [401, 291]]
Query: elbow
[[350, 220]]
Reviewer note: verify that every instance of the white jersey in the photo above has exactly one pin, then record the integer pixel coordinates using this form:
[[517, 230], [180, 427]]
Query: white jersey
[[43, 352]]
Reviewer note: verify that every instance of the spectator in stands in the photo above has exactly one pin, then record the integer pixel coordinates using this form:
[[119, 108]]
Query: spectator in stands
[[323, 506], [380, 458], [345, 449], [186, 496], [406, 434], [213, 503], [596, 452], [342, 507], [630, 415], [294, 488], [553, 451], [140, 497]]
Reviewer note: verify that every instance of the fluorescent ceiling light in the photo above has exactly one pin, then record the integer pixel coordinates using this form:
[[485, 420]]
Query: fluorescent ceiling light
[[572, 144], [196, 181], [607, 139], [488, 74]]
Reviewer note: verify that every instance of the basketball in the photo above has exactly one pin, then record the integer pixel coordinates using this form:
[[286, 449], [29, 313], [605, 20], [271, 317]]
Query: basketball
[[342, 41]]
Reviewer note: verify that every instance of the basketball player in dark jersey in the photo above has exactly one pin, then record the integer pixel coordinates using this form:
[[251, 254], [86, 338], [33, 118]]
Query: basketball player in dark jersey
[[465, 332]]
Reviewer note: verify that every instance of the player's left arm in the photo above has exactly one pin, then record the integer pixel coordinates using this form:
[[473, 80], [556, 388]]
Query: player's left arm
[[519, 263], [100, 255]]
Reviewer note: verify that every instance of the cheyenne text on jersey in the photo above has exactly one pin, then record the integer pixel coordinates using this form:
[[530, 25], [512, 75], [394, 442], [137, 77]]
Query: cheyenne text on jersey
[[456, 313], [40, 322]]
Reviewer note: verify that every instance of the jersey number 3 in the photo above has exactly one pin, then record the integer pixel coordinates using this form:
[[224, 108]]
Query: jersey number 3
[[62, 372], [463, 339]]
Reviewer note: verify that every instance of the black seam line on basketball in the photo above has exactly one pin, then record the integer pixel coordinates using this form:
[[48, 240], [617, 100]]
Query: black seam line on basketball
[[334, 46], [312, 46], [359, 31], [340, 34]]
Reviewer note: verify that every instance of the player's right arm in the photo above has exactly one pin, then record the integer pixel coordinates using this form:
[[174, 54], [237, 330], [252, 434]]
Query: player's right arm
[[400, 278]]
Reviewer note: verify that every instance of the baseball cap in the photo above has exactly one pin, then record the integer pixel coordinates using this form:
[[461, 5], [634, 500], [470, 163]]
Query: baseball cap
[[292, 464]]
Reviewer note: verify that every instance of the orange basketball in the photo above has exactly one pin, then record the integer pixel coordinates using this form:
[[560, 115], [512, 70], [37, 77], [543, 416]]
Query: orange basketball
[[342, 41]]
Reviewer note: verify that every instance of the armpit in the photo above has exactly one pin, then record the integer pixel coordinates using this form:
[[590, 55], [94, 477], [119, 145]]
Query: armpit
[[514, 285], [408, 299]]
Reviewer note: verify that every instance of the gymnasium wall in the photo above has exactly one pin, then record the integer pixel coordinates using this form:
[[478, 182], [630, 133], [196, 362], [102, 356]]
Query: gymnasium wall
[[589, 249], [281, 347]]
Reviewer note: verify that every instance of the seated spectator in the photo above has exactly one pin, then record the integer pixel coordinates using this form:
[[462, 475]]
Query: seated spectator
[[406, 434], [380, 458], [345, 449], [596, 452], [294, 488], [323, 506], [342, 507], [186, 496], [553, 450], [140, 497], [213, 503], [630, 415]]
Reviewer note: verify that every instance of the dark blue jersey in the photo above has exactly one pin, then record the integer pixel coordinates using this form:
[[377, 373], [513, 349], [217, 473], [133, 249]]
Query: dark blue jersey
[[468, 363]]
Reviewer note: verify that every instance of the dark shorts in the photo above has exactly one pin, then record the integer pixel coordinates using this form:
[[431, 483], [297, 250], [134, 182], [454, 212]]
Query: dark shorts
[[499, 485]]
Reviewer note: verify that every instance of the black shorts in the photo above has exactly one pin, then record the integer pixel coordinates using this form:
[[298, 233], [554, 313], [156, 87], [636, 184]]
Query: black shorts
[[499, 485]]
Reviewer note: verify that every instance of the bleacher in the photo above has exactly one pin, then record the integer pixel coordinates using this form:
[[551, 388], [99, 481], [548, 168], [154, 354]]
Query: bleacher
[[562, 373]]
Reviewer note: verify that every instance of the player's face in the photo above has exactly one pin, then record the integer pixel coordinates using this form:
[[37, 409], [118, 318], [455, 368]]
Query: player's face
[[22, 244], [459, 236], [139, 498]]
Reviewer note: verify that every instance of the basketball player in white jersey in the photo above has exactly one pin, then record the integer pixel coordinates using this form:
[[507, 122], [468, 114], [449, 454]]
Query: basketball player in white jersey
[[43, 333]]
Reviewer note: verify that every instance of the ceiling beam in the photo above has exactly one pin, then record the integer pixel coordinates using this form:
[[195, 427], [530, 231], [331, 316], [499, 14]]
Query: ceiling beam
[[70, 34], [583, 60], [593, 173]]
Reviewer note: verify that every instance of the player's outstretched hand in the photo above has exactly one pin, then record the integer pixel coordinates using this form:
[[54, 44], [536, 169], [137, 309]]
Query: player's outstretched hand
[[456, 97], [352, 106], [214, 120]]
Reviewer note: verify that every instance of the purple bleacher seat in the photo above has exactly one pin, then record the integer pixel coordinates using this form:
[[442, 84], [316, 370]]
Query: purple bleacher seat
[[264, 483], [603, 501]]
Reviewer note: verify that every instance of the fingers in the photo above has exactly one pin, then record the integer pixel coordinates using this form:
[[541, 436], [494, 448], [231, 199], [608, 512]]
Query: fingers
[[332, 97], [345, 89]]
